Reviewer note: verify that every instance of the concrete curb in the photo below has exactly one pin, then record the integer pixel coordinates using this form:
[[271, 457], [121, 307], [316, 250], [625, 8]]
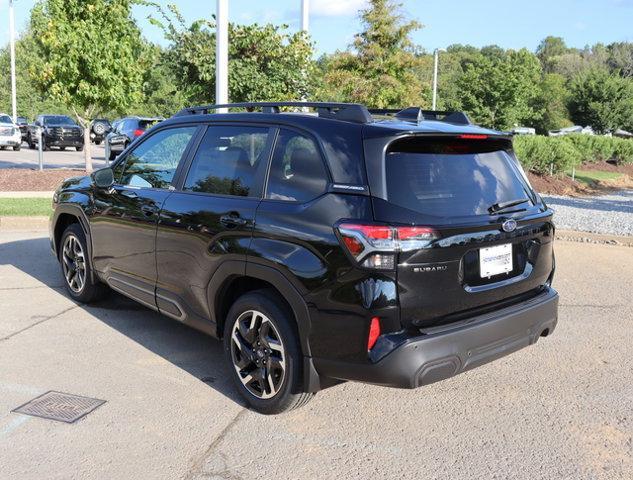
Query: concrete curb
[[26, 194]]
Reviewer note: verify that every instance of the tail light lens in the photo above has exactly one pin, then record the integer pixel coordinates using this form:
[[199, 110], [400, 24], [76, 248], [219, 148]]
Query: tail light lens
[[138, 132], [375, 246]]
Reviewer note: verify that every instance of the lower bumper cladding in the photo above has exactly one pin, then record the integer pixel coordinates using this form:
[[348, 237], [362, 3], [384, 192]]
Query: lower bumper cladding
[[430, 358]]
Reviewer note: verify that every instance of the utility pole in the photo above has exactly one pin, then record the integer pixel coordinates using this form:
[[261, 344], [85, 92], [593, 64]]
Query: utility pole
[[12, 47], [436, 60], [222, 54], [305, 15]]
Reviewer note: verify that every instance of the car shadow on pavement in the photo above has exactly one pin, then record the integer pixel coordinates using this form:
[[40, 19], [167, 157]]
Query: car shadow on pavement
[[192, 351]]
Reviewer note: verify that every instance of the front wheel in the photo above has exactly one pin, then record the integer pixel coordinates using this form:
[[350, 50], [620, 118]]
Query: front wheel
[[262, 347], [16, 148], [76, 268], [80, 148]]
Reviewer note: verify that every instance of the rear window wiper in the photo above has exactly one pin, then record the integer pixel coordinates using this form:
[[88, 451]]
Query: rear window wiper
[[497, 207]]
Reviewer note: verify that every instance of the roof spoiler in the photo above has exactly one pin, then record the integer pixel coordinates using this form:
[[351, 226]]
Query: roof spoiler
[[350, 112], [417, 115]]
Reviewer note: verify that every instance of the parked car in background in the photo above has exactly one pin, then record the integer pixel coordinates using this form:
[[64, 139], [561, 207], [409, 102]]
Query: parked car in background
[[321, 247], [524, 131], [10, 135], [23, 124], [571, 130], [57, 131], [124, 132], [100, 128]]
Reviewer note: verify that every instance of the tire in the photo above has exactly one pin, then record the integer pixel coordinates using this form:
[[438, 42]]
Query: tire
[[110, 155], [78, 273], [17, 148], [45, 148], [62, 148], [99, 128], [274, 356], [97, 142], [29, 140], [80, 148]]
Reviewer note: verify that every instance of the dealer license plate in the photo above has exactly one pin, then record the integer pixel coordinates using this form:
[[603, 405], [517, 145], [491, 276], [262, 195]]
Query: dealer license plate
[[495, 260]]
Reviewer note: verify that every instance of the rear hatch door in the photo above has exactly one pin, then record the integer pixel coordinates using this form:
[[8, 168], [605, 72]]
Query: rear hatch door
[[492, 244]]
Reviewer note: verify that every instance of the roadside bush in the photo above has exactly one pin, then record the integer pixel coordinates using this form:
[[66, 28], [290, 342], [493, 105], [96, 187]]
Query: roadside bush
[[538, 154], [623, 151]]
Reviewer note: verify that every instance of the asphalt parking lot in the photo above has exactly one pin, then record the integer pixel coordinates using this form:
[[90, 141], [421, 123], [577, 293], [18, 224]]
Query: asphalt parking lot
[[69, 158], [560, 409]]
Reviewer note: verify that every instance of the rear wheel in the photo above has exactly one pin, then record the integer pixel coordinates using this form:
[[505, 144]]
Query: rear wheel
[[62, 148], [76, 268], [262, 346], [16, 148], [29, 140], [80, 148]]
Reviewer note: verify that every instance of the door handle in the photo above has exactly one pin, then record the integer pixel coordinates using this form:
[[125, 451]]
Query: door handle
[[232, 220]]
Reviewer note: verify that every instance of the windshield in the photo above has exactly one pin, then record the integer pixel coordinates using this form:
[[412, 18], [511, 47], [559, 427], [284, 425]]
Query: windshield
[[5, 119], [58, 120], [454, 184]]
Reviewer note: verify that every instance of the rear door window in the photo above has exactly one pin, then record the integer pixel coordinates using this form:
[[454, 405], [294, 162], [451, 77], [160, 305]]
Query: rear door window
[[230, 161], [453, 180], [297, 171]]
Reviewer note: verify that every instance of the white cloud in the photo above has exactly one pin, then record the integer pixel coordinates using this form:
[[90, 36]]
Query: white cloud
[[336, 8]]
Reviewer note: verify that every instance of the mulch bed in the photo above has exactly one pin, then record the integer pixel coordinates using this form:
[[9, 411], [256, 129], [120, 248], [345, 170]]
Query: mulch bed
[[24, 180], [564, 185]]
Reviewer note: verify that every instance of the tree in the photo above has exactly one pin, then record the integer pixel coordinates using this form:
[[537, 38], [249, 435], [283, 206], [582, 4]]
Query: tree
[[501, 93], [90, 51], [266, 63], [602, 100], [551, 102], [379, 70], [550, 48]]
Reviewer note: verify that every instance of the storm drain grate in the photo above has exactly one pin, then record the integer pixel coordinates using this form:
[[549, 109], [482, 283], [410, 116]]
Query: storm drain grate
[[59, 406]]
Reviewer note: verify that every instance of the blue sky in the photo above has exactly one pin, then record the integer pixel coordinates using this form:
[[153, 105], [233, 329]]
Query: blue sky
[[509, 24]]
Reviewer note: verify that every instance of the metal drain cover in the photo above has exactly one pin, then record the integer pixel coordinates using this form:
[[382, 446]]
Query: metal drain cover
[[59, 406]]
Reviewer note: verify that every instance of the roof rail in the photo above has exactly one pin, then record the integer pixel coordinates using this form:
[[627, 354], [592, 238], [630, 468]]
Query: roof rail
[[350, 112], [416, 114]]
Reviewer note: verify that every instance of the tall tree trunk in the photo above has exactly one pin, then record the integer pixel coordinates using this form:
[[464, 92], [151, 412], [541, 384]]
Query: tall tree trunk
[[87, 146], [85, 122]]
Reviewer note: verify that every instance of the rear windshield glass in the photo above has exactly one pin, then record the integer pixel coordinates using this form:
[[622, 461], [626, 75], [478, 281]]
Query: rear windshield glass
[[5, 119], [454, 184], [145, 124]]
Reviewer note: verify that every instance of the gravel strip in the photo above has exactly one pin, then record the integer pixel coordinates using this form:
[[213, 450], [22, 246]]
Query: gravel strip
[[607, 214]]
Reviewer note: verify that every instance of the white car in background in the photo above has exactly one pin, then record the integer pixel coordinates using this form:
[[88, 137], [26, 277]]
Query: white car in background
[[10, 135]]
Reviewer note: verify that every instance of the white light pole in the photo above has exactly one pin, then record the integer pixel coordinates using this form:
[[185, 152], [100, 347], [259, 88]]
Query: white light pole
[[12, 47], [436, 60], [305, 15], [222, 54]]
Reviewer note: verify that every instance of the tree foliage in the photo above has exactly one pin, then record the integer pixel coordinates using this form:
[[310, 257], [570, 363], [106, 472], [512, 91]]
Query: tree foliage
[[379, 70], [602, 100], [499, 90], [266, 62], [91, 54]]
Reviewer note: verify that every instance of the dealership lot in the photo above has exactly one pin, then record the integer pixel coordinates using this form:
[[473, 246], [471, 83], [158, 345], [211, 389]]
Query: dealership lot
[[69, 158], [560, 409]]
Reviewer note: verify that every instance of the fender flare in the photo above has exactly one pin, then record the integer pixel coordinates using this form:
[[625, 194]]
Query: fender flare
[[237, 268]]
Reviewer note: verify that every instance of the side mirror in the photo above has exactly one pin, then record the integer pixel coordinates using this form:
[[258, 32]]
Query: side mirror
[[103, 178]]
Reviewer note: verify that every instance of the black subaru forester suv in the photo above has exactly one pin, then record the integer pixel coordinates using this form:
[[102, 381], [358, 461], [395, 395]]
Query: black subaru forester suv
[[397, 248]]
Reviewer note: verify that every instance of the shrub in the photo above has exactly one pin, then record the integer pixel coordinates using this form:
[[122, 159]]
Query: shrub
[[538, 154]]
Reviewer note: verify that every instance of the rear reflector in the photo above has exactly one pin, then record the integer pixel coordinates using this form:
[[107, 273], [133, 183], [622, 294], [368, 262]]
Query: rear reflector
[[374, 333], [138, 132]]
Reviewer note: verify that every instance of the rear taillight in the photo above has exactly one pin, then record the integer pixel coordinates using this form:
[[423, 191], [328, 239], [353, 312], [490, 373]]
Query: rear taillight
[[138, 132], [375, 246]]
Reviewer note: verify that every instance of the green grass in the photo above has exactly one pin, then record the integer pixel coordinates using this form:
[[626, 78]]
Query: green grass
[[590, 176], [25, 207]]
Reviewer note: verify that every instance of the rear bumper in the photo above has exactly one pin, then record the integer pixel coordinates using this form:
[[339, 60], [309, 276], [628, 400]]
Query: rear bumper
[[433, 357], [65, 142], [12, 141]]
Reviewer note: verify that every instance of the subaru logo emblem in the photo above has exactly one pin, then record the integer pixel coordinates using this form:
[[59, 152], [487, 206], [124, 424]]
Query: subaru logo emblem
[[509, 225]]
